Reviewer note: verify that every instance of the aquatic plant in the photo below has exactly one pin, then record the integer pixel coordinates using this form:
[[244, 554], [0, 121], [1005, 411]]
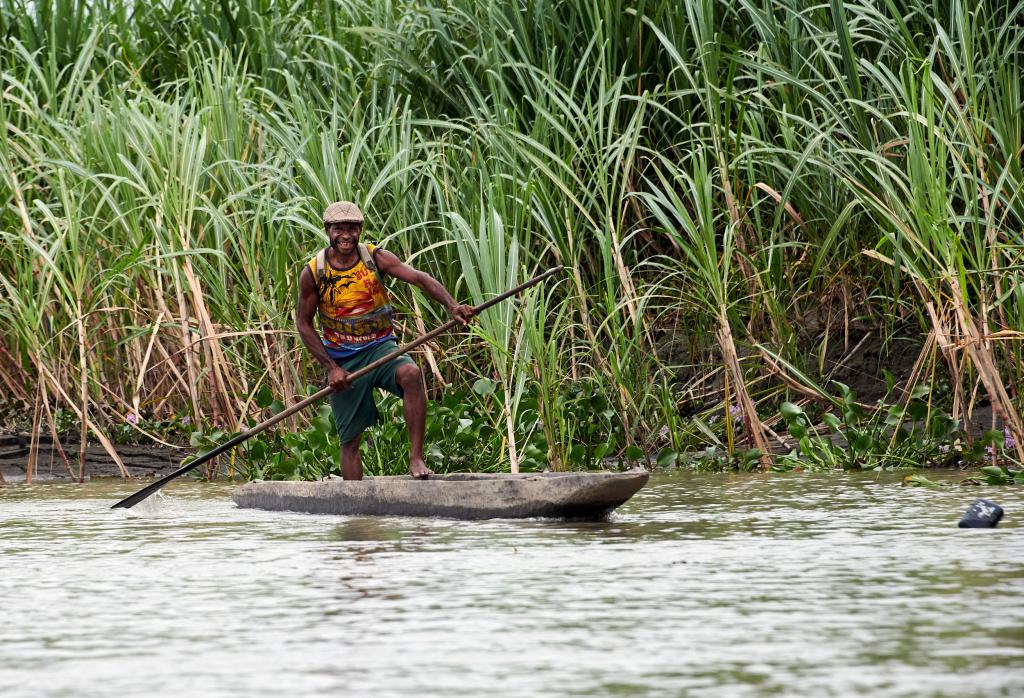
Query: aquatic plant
[[882, 437]]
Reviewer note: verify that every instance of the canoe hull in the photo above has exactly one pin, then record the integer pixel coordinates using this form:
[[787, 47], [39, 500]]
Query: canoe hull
[[455, 496]]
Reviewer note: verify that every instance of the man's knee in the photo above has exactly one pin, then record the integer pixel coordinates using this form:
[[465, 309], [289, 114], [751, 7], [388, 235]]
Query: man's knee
[[409, 376]]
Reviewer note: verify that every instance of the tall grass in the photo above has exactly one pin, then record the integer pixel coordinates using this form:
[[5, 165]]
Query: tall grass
[[714, 176]]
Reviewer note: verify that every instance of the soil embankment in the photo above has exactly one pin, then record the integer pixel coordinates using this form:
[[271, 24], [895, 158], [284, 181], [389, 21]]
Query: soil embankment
[[142, 461]]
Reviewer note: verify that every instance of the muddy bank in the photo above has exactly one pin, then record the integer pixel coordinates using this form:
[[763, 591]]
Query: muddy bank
[[141, 461]]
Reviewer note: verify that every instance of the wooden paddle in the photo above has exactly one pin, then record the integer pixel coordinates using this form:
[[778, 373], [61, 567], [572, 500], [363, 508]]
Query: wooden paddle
[[134, 499]]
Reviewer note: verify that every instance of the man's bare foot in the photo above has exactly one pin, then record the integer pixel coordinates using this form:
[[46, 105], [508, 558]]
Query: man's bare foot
[[419, 470]]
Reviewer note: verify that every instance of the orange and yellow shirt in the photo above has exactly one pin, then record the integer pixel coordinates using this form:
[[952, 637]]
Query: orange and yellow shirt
[[355, 310]]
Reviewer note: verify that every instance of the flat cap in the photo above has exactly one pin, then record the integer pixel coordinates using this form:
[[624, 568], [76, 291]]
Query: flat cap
[[343, 212]]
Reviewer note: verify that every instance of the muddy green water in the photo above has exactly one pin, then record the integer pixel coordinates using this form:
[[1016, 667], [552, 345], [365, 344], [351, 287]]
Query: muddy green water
[[700, 586]]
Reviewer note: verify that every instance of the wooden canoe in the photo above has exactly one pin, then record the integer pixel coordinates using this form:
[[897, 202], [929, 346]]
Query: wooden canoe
[[454, 496]]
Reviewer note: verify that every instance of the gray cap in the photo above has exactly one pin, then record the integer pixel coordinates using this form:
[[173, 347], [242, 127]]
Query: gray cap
[[343, 212]]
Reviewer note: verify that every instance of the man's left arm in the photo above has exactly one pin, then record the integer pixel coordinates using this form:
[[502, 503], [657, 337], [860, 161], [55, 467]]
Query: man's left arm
[[390, 264]]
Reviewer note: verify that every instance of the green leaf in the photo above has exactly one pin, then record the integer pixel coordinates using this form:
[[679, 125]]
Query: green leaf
[[634, 453], [751, 456], [890, 381], [894, 416], [919, 481], [917, 410], [317, 439], [666, 457], [748, 459], [943, 427], [484, 387], [920, 391], [264, 397], [790, 411], [996, 475], [576, 454], [806, 447], [323, 424]]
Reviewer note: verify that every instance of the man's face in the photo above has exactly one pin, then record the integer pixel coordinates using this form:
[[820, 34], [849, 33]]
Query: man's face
[[344, 236]]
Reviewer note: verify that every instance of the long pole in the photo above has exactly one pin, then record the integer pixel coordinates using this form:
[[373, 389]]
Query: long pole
[[134, 499]]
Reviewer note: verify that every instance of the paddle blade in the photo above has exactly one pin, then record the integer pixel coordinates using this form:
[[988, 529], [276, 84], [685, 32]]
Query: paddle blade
[[132, 500]]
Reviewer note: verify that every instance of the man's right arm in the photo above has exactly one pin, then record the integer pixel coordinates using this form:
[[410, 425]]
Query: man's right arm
[[308, 302]]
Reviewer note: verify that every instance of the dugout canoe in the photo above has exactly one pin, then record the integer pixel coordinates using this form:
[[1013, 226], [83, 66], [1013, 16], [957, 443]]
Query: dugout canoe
[[453, 496]]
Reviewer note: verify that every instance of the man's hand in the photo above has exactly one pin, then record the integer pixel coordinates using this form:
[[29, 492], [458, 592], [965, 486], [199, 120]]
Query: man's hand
[[338, 378], [463, 313]]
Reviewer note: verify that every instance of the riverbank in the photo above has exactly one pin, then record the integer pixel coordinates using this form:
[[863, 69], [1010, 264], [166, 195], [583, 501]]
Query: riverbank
[[59, 462]]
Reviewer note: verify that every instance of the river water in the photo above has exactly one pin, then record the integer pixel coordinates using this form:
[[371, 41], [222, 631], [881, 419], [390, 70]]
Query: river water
[[787, 585]]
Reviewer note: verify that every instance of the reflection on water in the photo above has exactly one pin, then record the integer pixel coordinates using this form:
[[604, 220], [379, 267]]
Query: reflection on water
[[368, 529], [700, 586]]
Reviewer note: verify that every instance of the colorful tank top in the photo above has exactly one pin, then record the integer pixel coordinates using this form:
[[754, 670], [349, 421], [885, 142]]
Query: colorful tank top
[[355, 311]]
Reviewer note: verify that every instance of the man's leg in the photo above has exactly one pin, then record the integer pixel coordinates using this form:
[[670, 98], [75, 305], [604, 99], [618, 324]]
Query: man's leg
[[352, 459], [414, 407]]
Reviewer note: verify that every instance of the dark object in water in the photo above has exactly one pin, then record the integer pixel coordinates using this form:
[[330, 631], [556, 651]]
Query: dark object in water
[[454, 496], [982, 514]]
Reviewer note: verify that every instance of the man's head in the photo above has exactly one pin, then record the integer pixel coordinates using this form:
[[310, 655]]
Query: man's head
[[343, 222]]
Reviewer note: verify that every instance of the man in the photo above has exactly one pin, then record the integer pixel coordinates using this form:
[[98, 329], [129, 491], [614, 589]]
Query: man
[[342, 286]]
